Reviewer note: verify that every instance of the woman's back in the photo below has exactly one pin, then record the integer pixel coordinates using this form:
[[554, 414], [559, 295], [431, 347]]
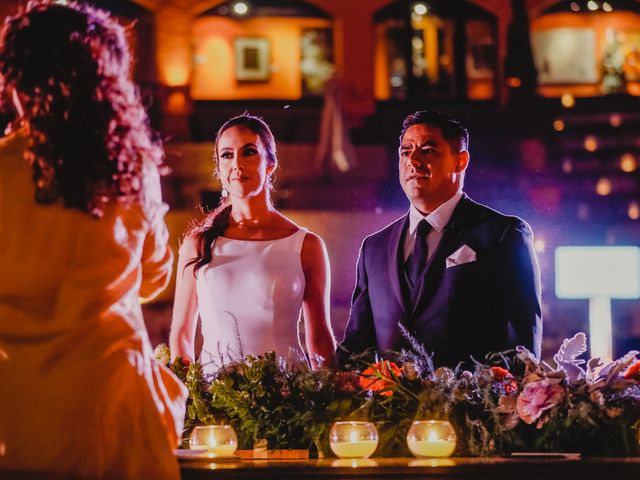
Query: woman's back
[[80, 389]]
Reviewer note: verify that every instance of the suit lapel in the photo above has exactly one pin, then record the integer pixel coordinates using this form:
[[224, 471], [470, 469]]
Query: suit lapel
[[451, 238], [394, 260]]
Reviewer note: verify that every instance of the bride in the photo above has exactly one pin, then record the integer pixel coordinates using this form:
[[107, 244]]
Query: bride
[[247, 270]]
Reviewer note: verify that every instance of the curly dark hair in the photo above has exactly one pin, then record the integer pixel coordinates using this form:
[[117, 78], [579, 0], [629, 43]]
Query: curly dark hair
[[88, 130], [217, 221]]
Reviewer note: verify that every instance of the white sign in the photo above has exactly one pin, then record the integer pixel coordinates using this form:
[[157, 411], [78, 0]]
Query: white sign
[[586, 272]]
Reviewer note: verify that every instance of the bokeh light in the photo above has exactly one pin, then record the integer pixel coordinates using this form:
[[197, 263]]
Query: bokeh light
[[603, 187], [567, 100], [590, 143], [628, 163]]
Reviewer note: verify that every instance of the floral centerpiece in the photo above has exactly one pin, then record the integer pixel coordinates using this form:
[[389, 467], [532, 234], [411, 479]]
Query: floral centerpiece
[[510, 402]]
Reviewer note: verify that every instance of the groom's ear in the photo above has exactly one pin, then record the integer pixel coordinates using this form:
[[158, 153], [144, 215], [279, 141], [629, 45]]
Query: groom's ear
[[462, 161]]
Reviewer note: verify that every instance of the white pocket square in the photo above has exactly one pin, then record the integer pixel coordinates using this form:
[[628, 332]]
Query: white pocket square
[[465, 254]]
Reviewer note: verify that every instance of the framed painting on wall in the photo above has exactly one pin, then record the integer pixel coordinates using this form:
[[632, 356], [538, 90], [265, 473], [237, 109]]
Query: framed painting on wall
[[565, 55], [252, 59]]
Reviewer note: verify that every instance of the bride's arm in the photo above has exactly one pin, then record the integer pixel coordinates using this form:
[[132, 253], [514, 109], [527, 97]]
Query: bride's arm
[[319, 337], [185, 305]]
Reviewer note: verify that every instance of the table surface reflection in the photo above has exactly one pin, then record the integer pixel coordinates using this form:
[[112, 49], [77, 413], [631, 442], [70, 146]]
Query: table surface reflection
[[547, 468]]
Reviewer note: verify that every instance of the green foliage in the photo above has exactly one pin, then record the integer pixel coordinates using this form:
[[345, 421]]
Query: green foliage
[[527, 406]]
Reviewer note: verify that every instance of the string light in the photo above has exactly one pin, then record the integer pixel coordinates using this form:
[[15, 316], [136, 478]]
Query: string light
[[628, 163]]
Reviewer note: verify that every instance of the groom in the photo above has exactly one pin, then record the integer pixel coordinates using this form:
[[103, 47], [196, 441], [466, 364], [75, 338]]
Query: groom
[[460, 277]]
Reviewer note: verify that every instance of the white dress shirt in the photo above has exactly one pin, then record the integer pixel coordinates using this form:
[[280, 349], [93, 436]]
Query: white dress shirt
[[438, 220]]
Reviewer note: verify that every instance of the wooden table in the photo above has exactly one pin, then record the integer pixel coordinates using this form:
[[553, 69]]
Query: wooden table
[[411, 468]]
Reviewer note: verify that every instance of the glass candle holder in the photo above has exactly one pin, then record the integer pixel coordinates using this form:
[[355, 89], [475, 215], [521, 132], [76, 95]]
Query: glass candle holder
[[431, 438], [218, 440], [353, 439]]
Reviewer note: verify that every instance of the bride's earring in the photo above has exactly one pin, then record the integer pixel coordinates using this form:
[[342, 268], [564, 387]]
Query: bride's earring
[[224, 193]]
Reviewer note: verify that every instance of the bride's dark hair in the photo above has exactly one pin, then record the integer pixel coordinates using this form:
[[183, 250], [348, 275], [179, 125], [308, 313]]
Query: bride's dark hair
[[217, 221], [88, 131]]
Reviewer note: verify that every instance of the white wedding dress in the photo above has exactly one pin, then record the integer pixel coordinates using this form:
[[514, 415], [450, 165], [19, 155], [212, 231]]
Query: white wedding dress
[[250, 297]]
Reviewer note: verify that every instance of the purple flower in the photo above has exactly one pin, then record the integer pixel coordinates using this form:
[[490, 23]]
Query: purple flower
[[536, 398]]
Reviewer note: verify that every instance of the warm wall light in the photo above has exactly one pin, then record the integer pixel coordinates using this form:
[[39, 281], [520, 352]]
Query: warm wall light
[[603, 187], [176, 102], [567, 165], [420, 9], [240, 8], [176, 74], [593, 6], [539, 245], [575, 7], [606, 6], [558, 125], [514, 82], [567, 100], [633, 88], [634, 210], [628, 163]]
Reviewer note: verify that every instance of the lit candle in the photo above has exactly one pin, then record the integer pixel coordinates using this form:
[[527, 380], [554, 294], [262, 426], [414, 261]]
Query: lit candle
[[431, 439], [218, 440], [220, 449], [357, 449], [353, 439]]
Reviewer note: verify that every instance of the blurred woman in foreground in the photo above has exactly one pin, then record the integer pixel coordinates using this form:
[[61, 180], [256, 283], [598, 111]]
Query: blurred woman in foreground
[[82, 239]]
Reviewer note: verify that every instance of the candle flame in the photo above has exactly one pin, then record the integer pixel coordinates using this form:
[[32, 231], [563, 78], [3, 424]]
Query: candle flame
[[433, 436], [353, 436]]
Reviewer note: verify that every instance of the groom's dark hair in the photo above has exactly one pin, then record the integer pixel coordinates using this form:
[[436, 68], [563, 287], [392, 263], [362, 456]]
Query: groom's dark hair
[[452, 130]]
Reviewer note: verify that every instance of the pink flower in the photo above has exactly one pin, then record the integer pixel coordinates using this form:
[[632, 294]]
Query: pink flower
[[537, 397]]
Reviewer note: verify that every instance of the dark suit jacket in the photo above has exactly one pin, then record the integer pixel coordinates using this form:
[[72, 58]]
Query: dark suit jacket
[[489, 305]]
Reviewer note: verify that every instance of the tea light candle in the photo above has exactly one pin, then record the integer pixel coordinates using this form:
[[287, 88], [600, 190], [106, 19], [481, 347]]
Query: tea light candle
[[431, 438], [218, 440], [357, 449], [353, 439]]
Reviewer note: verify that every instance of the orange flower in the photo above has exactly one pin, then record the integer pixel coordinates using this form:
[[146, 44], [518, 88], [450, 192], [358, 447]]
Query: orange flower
[[500, 374], [370, 377], [633, 372], [504, 376]]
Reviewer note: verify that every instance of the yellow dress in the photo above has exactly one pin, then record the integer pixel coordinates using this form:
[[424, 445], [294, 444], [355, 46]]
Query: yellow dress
[[80, 393]]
